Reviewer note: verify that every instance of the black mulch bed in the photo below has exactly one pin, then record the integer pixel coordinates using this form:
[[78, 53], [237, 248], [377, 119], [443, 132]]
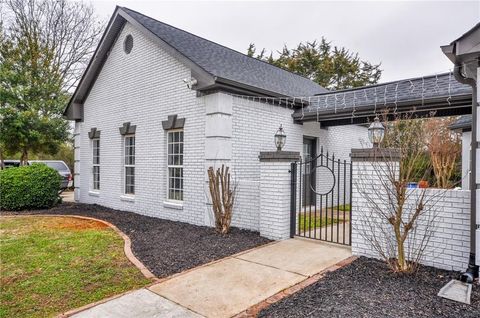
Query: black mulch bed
[[366, 288], [165, 247]]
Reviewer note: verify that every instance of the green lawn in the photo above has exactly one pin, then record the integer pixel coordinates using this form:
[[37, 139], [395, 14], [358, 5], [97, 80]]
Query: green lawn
[[49, 265]]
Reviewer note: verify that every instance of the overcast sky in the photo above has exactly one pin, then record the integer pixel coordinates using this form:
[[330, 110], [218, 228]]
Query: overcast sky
[[404, 36]]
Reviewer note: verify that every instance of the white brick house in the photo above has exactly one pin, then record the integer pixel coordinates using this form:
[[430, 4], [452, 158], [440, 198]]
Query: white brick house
[[144, 140]]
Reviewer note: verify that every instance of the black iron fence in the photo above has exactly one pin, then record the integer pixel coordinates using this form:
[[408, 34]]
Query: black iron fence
[[321, 201]]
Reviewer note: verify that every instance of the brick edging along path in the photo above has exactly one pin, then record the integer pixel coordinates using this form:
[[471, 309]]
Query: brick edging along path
[[255, 310]]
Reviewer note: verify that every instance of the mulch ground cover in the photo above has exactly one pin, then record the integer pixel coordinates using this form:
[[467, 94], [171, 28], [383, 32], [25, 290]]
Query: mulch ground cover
[[164, 247], [366, 288]]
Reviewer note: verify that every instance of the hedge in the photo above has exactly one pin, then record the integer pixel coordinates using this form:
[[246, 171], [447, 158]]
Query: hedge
[[29, 187]]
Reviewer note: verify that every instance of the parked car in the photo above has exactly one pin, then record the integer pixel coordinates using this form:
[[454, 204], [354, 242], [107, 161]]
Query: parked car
[[62, 169], [60, 166], [11, 163]]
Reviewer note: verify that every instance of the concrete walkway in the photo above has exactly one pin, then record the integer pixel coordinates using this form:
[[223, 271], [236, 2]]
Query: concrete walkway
[[141, 303], [229, 286]]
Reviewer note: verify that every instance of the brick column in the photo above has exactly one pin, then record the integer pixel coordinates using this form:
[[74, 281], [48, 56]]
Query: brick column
[[275, 190], [76, 153], [218, 140], [475, 204], [367, 164]]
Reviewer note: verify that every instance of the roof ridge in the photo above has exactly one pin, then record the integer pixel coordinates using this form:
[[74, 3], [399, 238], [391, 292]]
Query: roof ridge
[[226, 47]]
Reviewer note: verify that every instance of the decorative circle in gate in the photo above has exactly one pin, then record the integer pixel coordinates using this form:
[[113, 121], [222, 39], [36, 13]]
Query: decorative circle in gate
[[325, 180]]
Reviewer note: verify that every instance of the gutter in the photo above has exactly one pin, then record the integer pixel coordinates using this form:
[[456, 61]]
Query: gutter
[[472, 271]]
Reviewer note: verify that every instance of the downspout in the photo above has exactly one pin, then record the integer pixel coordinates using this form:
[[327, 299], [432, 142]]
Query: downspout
[[471, 272]]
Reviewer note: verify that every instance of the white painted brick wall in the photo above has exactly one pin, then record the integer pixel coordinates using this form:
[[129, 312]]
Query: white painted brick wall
[[448, 248], [254, 125], [143, 88], [275, 200]]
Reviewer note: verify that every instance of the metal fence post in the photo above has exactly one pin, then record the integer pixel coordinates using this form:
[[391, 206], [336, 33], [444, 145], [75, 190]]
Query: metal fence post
[[293, 197]]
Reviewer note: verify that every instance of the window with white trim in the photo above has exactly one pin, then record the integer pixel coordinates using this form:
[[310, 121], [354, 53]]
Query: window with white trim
[[129, 164], [175, 165], [96, 163]]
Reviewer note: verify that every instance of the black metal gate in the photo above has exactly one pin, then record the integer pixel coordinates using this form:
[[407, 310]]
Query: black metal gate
[[321, 199]]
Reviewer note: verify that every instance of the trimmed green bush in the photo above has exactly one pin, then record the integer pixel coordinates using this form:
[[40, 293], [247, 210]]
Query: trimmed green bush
[[29, 187]]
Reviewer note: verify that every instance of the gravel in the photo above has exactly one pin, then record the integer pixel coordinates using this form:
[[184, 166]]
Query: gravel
[[165, 247], [366, 288]]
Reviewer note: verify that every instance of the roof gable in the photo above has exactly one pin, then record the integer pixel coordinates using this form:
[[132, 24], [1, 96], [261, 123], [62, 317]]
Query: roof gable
[[212, 64], [227, 64]]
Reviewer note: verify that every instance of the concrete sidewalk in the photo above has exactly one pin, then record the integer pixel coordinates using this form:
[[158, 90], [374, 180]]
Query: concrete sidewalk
[[141, 303], [229, 286]]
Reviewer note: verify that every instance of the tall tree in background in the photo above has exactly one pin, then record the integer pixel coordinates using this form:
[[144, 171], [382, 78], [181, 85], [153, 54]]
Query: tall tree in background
[[68, 29], [331, 67], [44, 47], [31, 99]]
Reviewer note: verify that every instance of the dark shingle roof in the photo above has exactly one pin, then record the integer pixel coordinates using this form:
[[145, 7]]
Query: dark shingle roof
[[228, 64], [388, 94], [464, 122]]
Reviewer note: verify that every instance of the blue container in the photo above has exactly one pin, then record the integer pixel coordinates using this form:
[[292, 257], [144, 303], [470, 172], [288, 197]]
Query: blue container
[[412, 185]]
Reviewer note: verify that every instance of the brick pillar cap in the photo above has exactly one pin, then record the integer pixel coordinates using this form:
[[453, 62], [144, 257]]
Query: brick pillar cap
[[279, 156], [375, 154]]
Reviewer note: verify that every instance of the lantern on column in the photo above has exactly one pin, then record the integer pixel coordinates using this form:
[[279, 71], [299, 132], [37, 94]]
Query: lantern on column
[[376, 132], [280, 138]]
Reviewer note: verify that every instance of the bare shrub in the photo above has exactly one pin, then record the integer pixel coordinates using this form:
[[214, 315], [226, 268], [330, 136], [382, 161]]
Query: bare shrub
[[222, 192], [398, 222]]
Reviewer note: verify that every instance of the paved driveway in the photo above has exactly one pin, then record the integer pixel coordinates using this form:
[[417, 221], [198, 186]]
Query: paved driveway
[[67, 196]]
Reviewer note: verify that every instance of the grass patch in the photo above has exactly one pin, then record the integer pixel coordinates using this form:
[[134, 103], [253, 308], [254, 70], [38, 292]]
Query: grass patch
[[52, 264], [345, 207], [308, 223]]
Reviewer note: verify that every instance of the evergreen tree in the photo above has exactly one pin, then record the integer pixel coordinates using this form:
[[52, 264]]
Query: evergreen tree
[[331, 67]]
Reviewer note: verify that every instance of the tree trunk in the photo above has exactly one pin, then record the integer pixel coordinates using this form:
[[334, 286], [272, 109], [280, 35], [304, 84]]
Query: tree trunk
[[223, 196], [24, 158], [402, 263]]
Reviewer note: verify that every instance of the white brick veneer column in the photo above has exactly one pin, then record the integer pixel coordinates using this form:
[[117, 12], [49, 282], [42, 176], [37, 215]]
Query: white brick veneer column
[[477, 177], [76, 156], [218, 140], [275, 189]]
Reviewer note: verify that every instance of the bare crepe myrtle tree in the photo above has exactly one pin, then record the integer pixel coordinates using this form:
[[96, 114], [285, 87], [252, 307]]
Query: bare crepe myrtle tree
[[444, 147], [70, 29], [222, 192], [396, 221]]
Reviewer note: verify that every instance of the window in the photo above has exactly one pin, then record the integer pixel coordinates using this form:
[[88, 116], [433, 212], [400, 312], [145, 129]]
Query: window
[[96, 163], [130, 164], [128, 44], [175, 165]]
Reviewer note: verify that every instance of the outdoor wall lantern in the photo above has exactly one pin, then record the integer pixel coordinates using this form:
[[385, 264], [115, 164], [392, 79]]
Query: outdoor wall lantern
[[280, 138], [376, 132]]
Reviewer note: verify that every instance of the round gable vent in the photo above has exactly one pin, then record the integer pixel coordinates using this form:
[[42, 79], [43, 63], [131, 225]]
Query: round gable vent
[[128, 44]]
